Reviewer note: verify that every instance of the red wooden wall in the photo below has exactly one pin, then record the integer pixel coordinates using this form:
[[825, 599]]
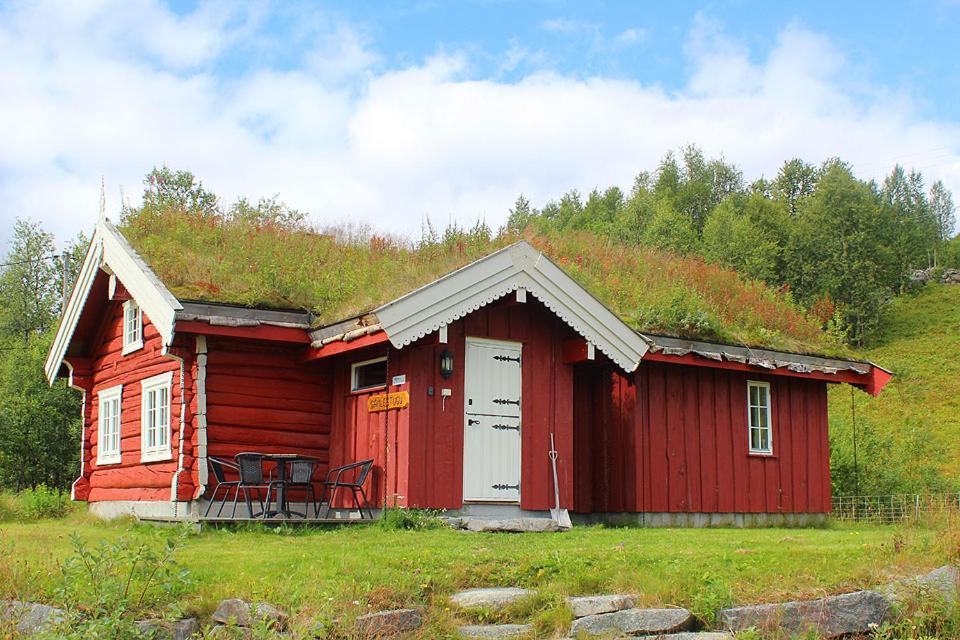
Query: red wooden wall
[[129, 480], [433, 437], [673, 438], [261, 397]]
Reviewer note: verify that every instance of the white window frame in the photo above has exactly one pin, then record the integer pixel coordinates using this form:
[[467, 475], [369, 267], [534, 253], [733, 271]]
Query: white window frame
[[751, 427], [105, 397], [161, 449], [353, 375], [135, 344]]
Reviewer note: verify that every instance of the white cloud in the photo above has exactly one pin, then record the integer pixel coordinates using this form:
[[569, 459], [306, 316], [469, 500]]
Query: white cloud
[[116, 91]]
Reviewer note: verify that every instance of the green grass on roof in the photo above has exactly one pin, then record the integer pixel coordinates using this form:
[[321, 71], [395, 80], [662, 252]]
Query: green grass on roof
[[217, 260]]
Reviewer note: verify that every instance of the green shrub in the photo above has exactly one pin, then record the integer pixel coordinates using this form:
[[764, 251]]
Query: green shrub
[[415, 519], [42, 503], [106, 588]]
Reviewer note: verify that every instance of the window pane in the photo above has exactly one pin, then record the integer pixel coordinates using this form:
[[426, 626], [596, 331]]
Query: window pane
[[370, 375]]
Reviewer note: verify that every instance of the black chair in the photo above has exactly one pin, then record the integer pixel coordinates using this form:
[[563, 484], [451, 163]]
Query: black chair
[[340, 477], [300, 478], [250, 467], [219, 467]]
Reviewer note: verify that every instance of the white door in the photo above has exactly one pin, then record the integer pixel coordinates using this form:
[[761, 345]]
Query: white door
[[491, 421]]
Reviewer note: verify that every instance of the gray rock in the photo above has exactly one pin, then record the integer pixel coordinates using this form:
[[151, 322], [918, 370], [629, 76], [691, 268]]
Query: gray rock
[[383, 624], [831, 617], [30, 617], [245, 614], [592, 605], [637, 622], [169, 630], [511, 525], [496, 631], [943, 580], [693, 635], [494, 598], [452, 521]]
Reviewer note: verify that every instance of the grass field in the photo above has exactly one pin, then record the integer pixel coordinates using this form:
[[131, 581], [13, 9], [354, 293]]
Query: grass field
[[909, 436], [333, 575]]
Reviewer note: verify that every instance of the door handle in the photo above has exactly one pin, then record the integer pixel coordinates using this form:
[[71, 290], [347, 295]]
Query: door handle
[[471, 422]]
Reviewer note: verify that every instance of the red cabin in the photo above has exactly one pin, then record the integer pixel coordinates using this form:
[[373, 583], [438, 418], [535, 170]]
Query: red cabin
[[455, 390]]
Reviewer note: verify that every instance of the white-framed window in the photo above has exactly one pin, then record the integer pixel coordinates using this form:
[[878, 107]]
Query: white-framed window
[[155, 418], [132, 327], [368, 374], [759, 417], [108, 425]]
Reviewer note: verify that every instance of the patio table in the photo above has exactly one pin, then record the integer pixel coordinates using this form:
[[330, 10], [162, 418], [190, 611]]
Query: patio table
[[282, 460]]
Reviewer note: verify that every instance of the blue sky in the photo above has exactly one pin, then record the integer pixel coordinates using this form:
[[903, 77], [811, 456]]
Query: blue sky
[[383, 113]]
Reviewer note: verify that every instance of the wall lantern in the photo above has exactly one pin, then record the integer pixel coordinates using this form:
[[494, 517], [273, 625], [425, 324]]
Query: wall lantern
[[446, 363]]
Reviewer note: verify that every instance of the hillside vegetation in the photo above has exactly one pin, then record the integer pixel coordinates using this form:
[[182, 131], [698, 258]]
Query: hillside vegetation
[[219, 258], [909, 437]]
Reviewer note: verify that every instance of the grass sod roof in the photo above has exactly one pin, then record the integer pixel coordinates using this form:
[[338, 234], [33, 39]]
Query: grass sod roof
[[335, 277]]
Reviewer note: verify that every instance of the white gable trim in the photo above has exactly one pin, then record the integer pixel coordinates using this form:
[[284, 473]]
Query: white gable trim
[[110, 250], [516, 267]]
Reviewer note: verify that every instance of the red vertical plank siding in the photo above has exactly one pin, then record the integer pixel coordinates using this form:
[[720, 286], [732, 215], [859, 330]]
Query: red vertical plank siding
[[130, 479], [707, 446], [681, 442]]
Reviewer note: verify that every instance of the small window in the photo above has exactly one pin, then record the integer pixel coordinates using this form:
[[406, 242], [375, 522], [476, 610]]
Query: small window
[[758, 415], [155, 418], [368, 374], [108, 419], [132, 327]]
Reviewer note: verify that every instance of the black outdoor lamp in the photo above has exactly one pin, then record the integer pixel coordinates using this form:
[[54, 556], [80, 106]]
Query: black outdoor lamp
[[446, 363]]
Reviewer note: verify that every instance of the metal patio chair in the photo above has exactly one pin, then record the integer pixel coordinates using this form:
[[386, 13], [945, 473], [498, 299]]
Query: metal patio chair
[[300, 478], [339, 477], [250, 466], [219, 467]]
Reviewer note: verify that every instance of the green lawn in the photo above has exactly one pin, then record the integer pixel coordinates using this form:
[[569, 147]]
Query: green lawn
[[336, 574]]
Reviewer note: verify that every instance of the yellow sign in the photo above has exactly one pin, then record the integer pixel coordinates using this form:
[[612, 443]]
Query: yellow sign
[[387, 401]]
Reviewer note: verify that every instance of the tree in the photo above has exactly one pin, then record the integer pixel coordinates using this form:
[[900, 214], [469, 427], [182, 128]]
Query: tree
[[30, 284], [671, 230], [748, 234], [795, 181], [267, 212], [910, 227], [943, 210], [836, 247], [39, 423], [521, 215], [167, 190], [697, 186]]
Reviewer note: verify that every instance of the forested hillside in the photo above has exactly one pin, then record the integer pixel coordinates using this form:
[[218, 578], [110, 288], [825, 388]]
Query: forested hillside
[[908, 438]]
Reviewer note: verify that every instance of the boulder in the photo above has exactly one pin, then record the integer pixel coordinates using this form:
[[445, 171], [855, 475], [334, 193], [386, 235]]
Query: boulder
[[511, 525], [222, 632], [592, 605], [246, 614], [831, 617], [492, 598], [383, 624], [943, 580], [637, 622], [168, 630], [496, 631], [30, 617]]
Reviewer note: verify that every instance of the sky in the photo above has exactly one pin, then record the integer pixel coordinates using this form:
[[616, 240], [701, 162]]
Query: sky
[[384, 113]]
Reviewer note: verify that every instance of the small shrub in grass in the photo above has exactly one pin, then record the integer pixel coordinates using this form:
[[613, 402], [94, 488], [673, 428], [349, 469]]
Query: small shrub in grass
[[415, 519], [105, 588], [712, 594], [42, 503]]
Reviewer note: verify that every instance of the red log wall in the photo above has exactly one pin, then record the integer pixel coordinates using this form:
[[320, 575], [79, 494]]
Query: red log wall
[[673, 438], [261, 397], [131, 479]]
